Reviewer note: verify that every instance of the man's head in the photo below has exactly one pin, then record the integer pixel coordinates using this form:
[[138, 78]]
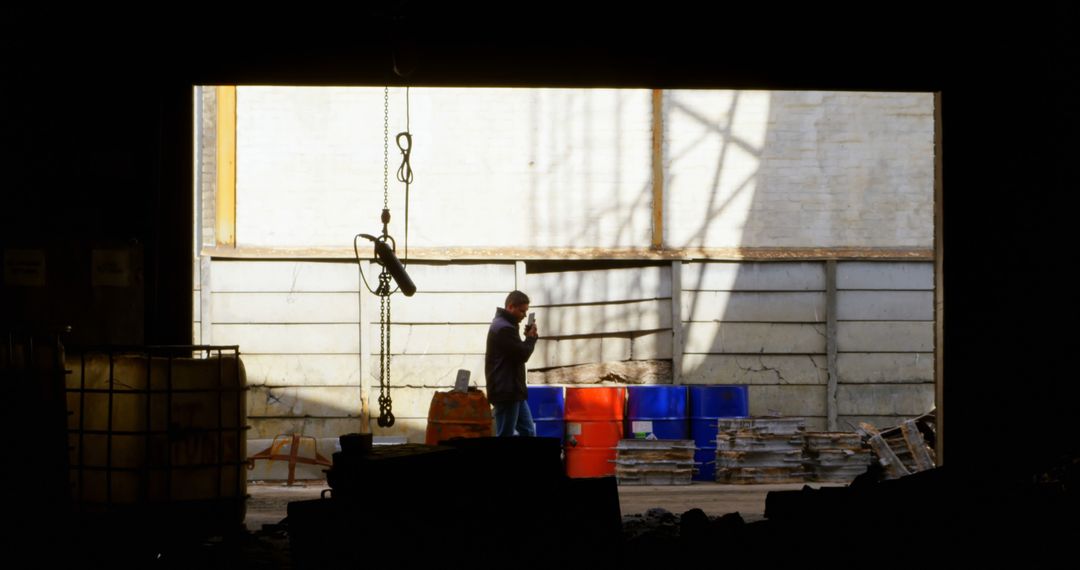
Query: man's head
[[517, 304]]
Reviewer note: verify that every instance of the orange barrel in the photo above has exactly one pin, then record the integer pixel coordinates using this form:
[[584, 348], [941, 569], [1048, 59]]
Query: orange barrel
[[594, 427], [458, 414]]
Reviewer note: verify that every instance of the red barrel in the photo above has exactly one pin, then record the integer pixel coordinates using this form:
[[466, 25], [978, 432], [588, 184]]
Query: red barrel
[[458, 414], [594, 426]]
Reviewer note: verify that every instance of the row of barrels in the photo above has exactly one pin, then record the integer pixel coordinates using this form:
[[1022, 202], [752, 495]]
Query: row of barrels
[[592, 420]]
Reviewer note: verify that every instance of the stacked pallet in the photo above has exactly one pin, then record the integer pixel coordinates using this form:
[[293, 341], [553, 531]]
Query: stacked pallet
[[654, 462], [836, 456], [760, 450]]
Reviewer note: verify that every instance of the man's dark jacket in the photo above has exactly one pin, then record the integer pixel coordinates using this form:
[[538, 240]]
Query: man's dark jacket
[[504, 363]]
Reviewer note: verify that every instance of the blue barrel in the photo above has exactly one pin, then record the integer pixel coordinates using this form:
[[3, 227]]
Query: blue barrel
[[547, 407], [657, 411], [705, 461], [707, 404], [719, 402]]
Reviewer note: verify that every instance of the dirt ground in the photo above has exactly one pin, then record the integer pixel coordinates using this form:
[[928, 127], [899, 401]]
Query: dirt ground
[[269, 500]]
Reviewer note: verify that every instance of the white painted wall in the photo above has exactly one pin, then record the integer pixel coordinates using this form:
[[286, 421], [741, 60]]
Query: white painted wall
[[572, 167], [493, 167], [798, 169], [764, 325]]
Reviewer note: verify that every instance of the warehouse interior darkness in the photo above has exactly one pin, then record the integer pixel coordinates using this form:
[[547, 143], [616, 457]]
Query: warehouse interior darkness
[[690, 203]]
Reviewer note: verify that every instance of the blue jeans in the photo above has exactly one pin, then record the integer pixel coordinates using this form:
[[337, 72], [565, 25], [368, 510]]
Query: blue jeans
[[514, 418]]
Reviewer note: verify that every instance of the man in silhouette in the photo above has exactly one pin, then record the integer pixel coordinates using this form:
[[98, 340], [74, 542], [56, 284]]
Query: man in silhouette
[[504, 367]]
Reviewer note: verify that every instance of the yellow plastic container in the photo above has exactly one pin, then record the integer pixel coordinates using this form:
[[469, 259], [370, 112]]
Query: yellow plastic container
[[154, 427]]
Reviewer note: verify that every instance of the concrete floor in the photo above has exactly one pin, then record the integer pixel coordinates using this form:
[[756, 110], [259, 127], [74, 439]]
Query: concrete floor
[[269, 500]]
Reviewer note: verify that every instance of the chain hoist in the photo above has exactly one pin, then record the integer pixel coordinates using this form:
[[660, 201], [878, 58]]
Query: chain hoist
[[385, 247]]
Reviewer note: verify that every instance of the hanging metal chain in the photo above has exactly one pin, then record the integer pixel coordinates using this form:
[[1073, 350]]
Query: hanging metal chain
[[386, 415], [386, 148]]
